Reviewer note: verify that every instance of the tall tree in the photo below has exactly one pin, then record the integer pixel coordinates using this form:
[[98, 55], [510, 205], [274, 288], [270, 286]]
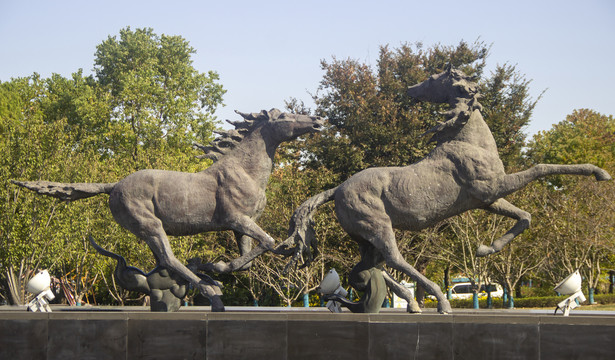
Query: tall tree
[[375, 123], [584, 136], [156, 90]]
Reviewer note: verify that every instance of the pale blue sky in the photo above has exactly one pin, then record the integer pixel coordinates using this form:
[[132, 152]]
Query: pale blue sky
[[269, 51]]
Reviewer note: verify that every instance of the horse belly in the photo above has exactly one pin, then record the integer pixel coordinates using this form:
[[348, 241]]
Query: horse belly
[[408, 198], [183, 203], [186, 209]]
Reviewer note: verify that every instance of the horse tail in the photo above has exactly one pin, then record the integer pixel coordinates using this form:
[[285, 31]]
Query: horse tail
[[66, 191], [128, 277], [119, 258], [301, 227]]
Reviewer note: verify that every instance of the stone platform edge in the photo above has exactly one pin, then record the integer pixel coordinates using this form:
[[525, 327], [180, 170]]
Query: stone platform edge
[[299, 334]]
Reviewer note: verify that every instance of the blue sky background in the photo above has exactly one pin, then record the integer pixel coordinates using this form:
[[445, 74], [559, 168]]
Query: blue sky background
[[268, 51]]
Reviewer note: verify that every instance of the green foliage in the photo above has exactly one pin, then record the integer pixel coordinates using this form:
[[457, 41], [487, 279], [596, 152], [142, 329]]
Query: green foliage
[[156, 91], [585, 136], [576, 214]]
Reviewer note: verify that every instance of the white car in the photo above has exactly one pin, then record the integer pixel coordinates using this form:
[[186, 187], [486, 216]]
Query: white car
[[463, 290]]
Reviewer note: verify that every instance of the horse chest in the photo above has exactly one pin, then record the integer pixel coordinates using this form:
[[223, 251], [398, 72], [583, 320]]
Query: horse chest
[[472, 162], [238, 193]]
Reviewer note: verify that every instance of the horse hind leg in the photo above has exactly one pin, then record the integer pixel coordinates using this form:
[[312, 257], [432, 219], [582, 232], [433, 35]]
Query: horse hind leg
[[384, 242], [158, 242], [504, 208]]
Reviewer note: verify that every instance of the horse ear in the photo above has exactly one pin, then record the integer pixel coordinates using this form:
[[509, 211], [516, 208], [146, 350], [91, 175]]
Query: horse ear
[[449, 67], [274, 113]]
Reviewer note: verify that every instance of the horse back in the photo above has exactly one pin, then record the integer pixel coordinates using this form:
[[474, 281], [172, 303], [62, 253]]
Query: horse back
[[411, 198]]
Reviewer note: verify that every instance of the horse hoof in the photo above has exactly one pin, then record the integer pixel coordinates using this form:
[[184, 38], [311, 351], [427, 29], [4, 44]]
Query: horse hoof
[[602, 175], [444, 307], [414, 308], [484, 250], [216, 304]]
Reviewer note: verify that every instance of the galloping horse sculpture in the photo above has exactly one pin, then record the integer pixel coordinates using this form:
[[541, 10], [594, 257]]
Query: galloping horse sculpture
[[462, 172], [229, 195]]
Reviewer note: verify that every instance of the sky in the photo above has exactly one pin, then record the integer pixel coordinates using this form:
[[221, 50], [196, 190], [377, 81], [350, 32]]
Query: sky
[[266, 52]]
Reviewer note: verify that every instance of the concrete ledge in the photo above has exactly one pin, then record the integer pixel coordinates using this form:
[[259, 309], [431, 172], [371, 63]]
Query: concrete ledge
[[246, 333]]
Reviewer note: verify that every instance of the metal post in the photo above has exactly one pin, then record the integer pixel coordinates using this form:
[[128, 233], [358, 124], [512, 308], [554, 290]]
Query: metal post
[[386, 303], [505, 297], [489, 300], [591, 296]]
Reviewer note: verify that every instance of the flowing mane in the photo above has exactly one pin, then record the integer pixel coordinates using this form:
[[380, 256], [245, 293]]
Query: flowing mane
[[462, 95], [227, 140]]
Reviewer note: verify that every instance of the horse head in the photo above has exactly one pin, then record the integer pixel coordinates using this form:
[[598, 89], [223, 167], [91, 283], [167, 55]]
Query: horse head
[[286, 126], [452, 87], [276, 124], [446, 87]]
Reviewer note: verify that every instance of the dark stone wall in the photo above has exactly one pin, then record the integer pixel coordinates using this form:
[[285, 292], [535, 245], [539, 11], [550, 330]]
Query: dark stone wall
[[302, 335]]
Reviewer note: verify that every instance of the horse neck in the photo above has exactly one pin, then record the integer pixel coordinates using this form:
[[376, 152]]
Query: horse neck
[[255, 155], [475, 131]]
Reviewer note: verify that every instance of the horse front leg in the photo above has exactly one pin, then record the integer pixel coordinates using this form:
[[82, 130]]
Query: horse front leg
[[504, 208], [244, 242], [249, 230], [157, 240], [491, 190]]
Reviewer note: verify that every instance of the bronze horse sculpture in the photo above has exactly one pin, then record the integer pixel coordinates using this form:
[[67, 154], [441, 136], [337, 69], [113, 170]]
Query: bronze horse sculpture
[[229, 195], [461, 173]]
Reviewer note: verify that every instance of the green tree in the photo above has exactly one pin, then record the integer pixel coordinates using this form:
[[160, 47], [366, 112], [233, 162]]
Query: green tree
[[374, 122], [156, 91], [576, 213], [585, 136], [31, 148]]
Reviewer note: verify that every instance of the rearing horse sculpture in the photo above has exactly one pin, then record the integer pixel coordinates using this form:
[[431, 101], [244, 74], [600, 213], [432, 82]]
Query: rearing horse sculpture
[[462, 172], [229, 195]]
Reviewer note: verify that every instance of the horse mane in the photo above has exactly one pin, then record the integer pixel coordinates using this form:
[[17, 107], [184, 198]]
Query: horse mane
[[227, 140], [463, 102]]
